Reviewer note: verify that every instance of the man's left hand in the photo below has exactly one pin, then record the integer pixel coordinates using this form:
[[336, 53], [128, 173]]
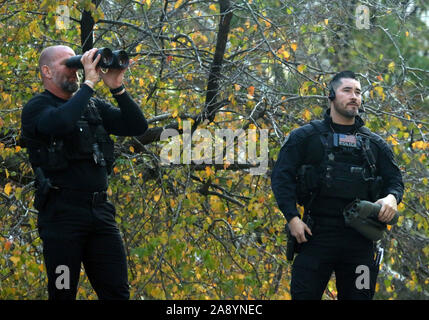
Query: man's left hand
[[113, 78], [388, 208]]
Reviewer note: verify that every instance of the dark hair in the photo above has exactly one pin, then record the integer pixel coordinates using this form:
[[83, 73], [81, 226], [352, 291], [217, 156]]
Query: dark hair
[[336, 81]]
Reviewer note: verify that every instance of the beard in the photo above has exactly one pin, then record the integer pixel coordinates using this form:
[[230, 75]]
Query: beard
[[66, 84], [347, 113], [69, 86]]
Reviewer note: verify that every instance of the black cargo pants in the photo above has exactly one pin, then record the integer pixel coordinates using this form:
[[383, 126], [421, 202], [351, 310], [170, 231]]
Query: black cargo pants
[[76, 228], [334, 248]]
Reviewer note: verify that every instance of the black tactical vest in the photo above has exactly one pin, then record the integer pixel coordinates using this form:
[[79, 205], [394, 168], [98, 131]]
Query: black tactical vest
[[347, 170], [89, 140], [344, 171]]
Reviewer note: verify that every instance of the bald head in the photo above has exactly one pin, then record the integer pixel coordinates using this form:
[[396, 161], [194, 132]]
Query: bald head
[[51, 54], [56, 76]]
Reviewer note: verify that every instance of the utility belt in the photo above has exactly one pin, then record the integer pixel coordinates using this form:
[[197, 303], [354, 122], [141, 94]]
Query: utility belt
[[361, 216], [329, 221], [44, 189], [76, 196]]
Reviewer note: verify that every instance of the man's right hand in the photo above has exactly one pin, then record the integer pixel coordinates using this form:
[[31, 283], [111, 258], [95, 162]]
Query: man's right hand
[[298, 228], [90, 65]]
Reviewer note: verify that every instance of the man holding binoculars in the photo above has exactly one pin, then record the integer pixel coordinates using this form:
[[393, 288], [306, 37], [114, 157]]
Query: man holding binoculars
[[66, 132]]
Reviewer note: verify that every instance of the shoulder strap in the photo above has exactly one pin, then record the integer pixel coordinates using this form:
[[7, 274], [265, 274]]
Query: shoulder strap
[[367, 152], [323, 131], [301, 133], [365, 131], [320, 126]]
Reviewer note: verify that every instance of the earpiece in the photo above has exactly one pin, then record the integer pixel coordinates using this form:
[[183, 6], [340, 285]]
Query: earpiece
[[331, 93]]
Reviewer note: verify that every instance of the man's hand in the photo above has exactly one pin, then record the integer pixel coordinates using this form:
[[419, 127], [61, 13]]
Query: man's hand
[[114, 77], [90, 65], [298, 228], [388, 208]]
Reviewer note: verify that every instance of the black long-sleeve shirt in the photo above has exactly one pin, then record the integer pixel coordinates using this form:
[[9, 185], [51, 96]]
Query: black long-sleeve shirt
[[304, 148], [47, 115]]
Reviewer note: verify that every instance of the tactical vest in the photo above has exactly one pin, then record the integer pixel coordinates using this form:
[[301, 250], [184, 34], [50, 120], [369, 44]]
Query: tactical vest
[[347, 169], [89, 140]]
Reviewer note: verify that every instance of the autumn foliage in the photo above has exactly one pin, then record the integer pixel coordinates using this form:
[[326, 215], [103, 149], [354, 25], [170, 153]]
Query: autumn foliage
[[214, 232]]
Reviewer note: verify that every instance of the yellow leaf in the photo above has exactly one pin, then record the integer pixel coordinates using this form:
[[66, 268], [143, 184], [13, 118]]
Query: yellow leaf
[[326, 21], [426, 252], [420, 145], [175, 113], [391, 66], [209, 171], [380, 92], [301, 68], [8, 188], [286, 54], [125, 177], [304, 88], [237, 87], [14, 260], [232, 100], [306, 115], [178, 4], [294, 46], [392, 140], [156, 197], [286, 296], [132, 149], [213, 7]]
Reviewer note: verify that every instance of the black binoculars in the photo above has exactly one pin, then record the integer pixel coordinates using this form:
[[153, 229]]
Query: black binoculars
[[109, 59]]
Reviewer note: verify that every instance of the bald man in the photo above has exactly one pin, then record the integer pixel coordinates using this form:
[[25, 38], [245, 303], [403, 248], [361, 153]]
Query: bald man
[[67, 135]]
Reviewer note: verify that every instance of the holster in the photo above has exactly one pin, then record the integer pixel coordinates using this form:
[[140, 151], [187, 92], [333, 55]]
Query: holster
[[293, 246], [43, 188]]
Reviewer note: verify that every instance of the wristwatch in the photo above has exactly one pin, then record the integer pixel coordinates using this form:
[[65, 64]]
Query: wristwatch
[[117, 90]]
